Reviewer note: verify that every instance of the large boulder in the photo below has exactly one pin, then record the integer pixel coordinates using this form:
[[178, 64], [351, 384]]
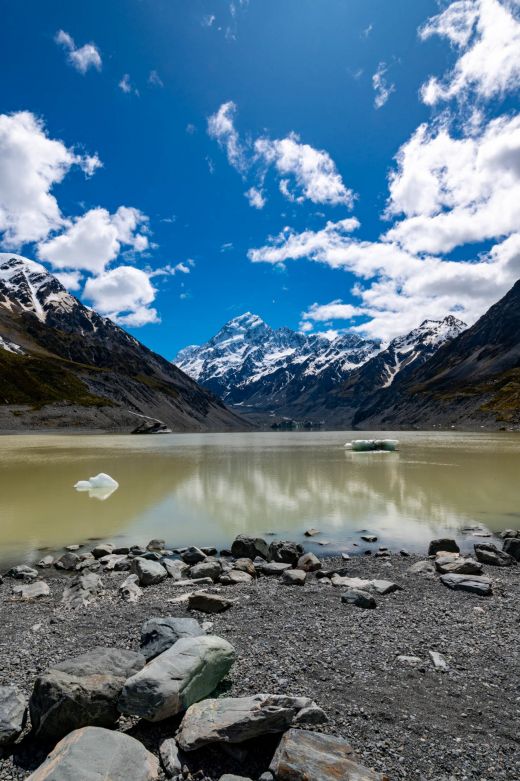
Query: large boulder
[[309, 562], [13, 714], [193, 555], [460, 566], [487, 553], [159, 634], [512, 547], [235, 719], [302, 755], [244, 547], [475, 584], [285, 551], [185, 673], [176, 568], [443, 544], [95, 754], [81, 692], [210, 568], [67, 561], [148, 572]]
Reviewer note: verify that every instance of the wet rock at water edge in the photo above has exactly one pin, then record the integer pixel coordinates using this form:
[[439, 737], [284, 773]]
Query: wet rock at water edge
[[34, 590], [369, 538], [22, 572], [208, 603], [285, 551], [237, 719], [170, 760], [101, 550], [294, 577], [443, 544], [81, 692], [512, 547], [311, 532], [67, 561], [245, 547], [82, 590], [159, 634], [475, 584], [156, 545], [46, 562], [302, 755], [13, 714], [487, 553], [359, 598], [509, 533], [459, 566], [187, 672], [129, 590], [98, 754], [148, 572], [210, 568], [309, 562], [192, 555]]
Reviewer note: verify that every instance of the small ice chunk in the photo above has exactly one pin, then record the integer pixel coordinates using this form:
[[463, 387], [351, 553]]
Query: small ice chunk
[[100, 486], [370, 445]]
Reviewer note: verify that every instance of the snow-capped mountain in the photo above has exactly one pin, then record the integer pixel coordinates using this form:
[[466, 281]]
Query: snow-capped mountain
[[248, 363], [62, 364]]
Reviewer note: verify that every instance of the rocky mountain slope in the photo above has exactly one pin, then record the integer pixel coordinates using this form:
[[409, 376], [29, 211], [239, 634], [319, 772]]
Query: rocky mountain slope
[[472, 380], [253, 366], [61, 364]]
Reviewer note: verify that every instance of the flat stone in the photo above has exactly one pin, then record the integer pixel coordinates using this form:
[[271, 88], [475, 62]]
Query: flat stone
[[487, 553], [22, 572], [236, 719], [272, 568], [384, 586], [210, 568], [170, 760], [34, 590], [473, 583], [231, 777], [148, 572], [443, 544], [159, 634], [459, 566], [310, 756], [359, 598], [96, 754], [309, 562], [192, 555], [187, 672], [13, 714], [82, 691], [235, 577], [249, 547], [208, 603], [294, 577], [512, 546]]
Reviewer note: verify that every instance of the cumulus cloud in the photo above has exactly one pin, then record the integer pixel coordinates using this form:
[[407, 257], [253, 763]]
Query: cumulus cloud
[[93, 240], [124, 294], [323, 313], [304, 173], [81, 58], [382, 88], [31, 164], [70, 279], [487, 35]]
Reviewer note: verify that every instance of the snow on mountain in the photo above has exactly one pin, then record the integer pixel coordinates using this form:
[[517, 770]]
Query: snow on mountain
[[32, 287], [248, 363]]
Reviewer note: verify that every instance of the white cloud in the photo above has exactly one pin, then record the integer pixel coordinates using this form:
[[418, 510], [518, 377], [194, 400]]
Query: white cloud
[[70, 279], [456, 190], [93, 240], [382, 88], [155, 80], [125, 85], [124, 294], [184, 267], [82, 58], [322, 313], [208, 20], [221, 127], [31, 164], [255, 198], [487, 33]]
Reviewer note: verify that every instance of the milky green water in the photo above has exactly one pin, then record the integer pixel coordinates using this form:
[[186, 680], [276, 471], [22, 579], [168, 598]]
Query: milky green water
[[203, 489]]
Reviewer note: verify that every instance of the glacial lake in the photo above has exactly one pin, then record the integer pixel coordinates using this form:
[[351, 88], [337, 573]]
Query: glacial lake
[[204, 489]]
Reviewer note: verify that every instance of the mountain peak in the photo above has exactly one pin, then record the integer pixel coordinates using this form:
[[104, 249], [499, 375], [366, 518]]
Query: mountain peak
[[28, 286]]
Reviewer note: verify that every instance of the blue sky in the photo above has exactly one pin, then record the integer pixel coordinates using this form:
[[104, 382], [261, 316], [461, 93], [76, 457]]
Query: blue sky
[[112, 179]]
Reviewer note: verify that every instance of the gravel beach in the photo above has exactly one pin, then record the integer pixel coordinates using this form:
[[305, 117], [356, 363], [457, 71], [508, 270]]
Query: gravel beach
[[404, 717]]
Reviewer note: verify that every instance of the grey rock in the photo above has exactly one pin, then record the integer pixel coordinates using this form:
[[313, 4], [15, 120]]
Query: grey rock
[[309, 562], [13, 714], [81, 692], [192, 555], [152, 555], [22, 572], [159, 634], [509, 533], [245, 565], [267, 776], [187, 672], [303, 755], [46, 562], [231, 777], [460, 566], [210, 568], [72, 548], [443, 544], [311, 532], [156, 545], [129, 590], [208, 603], [34, 590], [96, 754], [473, 583], [411, 661], [422, 568], [121, 550], [236, 719], [285, 551], [384, 587], [82, 590], [148, 572], [244, 547], [272, 567], [102, 550], [359, 598], [294, 577], [512, 547], [67, 561], [170, 760], [369, 537], [235, 577], [209, 551], [438, 660], [487, 553], [176, 569]]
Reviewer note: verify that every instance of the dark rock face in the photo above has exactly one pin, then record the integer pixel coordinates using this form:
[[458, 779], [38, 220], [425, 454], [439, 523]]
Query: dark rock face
[[159, 634], [81, 692], [285, 551], [512, 547], [208, 603], [487, 553], [444, 544], [244, 547], [106, 754]]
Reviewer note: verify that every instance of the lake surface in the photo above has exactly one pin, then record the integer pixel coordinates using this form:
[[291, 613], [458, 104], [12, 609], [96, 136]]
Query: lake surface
[[203, 489]]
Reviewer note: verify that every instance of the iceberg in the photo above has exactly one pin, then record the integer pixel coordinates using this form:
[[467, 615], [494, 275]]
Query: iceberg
[[100, 486], [371, 445]]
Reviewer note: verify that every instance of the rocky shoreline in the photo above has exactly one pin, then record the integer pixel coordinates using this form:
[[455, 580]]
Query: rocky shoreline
[[423, 687]]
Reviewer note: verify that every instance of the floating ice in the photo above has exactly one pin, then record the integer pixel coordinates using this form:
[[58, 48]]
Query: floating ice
[[99, 487], [370, 445]]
